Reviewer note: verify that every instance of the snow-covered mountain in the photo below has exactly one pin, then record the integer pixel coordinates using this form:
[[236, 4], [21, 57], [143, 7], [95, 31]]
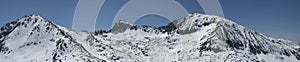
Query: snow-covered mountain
[[194, 38]]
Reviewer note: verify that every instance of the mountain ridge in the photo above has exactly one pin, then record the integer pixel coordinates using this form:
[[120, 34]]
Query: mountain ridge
[[196, 37]]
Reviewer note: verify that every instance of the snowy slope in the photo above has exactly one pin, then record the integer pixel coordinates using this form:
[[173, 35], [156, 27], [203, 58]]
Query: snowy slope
[[34, 39], [194, 38]]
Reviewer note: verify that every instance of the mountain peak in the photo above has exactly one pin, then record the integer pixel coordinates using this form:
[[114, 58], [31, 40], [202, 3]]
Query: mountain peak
[[196, 21], [120, 26], [32, 18], [32, 22], [32, 15], [123, 22], [33, 37]]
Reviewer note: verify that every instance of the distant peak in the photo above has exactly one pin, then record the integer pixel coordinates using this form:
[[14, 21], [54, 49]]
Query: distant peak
[[193, 22], [123, 22], [120, 26]]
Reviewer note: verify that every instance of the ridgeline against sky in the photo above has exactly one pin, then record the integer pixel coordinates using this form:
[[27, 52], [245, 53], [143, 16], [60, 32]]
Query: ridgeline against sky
[[277, 18]]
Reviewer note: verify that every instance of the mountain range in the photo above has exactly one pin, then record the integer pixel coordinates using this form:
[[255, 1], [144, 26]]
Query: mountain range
[[193, 38]]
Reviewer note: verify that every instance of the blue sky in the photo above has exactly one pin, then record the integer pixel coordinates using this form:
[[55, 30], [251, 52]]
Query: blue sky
[[276, 18]]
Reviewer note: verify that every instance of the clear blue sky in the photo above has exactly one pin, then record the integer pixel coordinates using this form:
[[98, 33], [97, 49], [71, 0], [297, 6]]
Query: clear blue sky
[[276, 18]]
